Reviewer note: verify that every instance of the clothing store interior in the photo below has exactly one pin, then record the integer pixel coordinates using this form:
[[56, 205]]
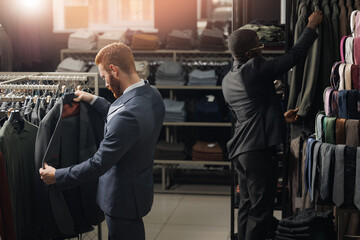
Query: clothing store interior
[[199, 181]]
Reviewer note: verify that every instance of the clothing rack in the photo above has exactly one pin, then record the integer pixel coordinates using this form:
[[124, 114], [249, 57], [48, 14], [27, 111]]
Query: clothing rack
[[29, 86], [90, 80]]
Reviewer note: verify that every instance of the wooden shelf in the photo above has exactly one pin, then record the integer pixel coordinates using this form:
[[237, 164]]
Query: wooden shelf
[[198, 124]]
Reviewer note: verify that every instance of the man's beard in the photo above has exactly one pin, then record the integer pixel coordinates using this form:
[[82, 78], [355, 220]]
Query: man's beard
[[114, 87]]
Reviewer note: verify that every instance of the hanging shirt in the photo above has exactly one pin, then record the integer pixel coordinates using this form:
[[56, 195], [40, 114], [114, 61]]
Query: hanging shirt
[[18, 148]]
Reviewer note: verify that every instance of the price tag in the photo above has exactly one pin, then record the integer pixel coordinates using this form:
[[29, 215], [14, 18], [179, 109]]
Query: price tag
[[210, 98]]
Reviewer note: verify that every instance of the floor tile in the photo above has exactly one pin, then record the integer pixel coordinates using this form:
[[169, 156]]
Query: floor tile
[[205, 213], [205, 200], [152, 230], [167, 199], [193, 232], [159, 214]]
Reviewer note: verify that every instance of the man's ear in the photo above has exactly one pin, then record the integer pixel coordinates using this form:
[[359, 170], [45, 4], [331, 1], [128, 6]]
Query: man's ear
[[114, 70]]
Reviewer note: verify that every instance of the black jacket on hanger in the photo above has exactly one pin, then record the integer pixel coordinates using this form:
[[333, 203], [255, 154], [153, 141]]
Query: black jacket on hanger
[[64, 140]]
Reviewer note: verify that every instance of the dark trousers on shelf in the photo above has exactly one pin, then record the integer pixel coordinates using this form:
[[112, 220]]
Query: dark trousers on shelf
[[258, 176], [125, 229]]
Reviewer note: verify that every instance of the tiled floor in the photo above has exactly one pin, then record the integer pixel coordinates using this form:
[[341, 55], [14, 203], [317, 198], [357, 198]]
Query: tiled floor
[[187, 217]]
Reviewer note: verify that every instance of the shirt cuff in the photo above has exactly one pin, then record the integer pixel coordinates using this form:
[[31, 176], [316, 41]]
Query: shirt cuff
[[93, 100]]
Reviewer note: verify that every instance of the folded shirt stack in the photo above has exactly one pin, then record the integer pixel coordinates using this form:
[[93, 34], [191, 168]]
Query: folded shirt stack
[[212, 39], [207, 151], [71, 65], [267, 33], [174, 111], [142, 69], [82, 39], [144, 42], [111, 37], [207, 109], [170, 73], [166, 151], [202, 78], [307, 224], [178, 39]]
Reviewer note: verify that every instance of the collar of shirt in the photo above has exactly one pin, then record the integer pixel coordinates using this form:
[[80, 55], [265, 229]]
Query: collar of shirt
[[135, 85]]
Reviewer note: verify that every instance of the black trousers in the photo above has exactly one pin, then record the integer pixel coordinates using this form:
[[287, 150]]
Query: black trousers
[[125, 229], [258, 174]]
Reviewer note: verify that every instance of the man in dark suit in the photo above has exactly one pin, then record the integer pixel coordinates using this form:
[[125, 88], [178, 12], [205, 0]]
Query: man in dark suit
[[250, 94], [124, 161]]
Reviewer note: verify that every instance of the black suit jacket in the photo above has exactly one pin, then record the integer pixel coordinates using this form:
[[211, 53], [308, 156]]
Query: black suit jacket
[[63, 213], [249, 91]]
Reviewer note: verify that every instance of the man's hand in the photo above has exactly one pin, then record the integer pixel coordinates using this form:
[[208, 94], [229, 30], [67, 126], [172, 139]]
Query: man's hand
[[290, 116], [48, 174], [83, 96], [315, 19]]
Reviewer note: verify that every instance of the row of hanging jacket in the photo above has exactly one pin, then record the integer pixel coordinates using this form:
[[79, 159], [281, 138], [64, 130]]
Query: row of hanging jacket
[[33, 210], [310, 77]]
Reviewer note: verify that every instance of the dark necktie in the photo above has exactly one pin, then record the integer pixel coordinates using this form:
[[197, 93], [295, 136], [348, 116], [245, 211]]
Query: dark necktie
[[352, 104], [349, 175], [338, 187], [342, 104], [308, 160], [355, 76], [314, 169], [334, 104]]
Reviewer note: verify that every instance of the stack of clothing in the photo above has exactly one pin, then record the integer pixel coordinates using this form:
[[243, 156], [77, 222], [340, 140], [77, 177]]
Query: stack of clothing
[[166, 151], [212, 39], [144, 42], [170, 73], [267, 33], [111, 37], [174, 111], [207, 151], [202, 78], [82, 39], [207, 109], [307, 224], [180, 39], [142, 69], [71, 65]]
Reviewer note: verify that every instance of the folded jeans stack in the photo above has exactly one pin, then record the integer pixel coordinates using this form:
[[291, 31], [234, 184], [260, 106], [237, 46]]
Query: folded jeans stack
[[202, 78], [71, 65], [144, 42], [212, 39], [307, 224], [178, 39], [174, 111], [82, 39], [170, 73], [111, 37], [166, 151], [207, 151]]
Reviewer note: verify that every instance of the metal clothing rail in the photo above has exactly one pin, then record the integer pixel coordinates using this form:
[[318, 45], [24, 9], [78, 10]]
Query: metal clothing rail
[[29, 87], [12, 99], [11, 79], [90, 80]]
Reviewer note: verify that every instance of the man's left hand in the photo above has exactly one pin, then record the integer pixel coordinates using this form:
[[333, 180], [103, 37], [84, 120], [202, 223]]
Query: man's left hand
[[291, 115], [48, 174]]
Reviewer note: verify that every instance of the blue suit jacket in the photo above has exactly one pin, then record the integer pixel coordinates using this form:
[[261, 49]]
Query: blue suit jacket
[[124, 160]]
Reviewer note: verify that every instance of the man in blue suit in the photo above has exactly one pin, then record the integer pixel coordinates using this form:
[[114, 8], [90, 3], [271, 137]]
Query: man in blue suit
[[124, 161]]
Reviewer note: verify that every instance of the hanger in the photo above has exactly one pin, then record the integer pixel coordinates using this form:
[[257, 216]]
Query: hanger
[[15, 116]]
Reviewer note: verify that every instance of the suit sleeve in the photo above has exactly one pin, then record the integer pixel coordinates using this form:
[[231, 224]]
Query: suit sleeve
[[122, 133], [281, 65], [101, 105]]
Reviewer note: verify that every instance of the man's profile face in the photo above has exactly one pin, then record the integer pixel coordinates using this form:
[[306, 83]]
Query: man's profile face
[[110, 81]]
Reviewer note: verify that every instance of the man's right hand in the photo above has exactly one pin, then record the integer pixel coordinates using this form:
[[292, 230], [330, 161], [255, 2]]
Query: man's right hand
[[83, 96], [315, 19]]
